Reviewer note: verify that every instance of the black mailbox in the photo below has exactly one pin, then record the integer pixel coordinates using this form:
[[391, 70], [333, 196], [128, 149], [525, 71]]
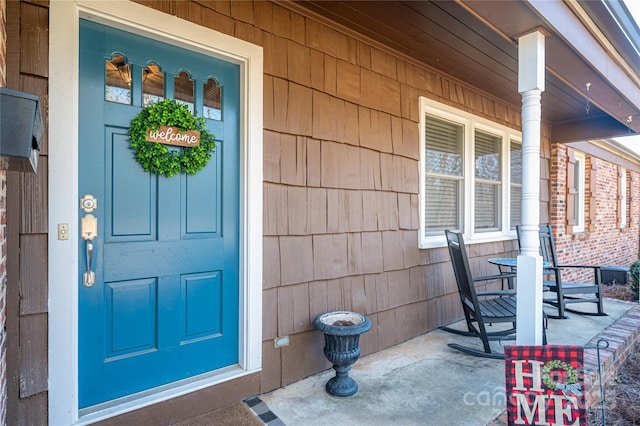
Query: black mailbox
[[20, 130]]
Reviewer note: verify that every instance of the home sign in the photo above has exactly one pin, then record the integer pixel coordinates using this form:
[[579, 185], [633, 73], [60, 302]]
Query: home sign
[[545, 385], [174, 136]]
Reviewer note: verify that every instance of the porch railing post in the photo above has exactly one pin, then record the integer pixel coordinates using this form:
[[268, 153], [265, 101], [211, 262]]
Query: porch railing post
[[531, 68]]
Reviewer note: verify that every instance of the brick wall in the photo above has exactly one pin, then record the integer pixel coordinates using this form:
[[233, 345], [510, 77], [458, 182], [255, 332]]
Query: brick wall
[[604, 242], [622, 338], [3, 235]]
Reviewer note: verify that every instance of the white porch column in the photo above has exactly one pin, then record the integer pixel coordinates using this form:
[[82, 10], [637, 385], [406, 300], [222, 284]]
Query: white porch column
[[531, 67]]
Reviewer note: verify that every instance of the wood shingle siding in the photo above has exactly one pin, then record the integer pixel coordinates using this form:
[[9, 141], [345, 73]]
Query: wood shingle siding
[[341, 182], [27, 225]]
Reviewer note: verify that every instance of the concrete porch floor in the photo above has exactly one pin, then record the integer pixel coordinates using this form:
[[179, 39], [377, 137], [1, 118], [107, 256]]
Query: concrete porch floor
[[424, 382]]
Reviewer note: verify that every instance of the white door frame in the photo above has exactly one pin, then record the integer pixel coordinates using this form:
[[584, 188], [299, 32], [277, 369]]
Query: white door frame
[[64, 197]]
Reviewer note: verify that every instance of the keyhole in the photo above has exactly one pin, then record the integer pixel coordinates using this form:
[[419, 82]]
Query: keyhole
[[88, 203]]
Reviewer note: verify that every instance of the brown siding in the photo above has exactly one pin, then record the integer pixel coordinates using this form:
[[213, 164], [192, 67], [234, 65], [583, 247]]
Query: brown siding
[[3, 43], [189, 405], [14, 405], [341, 185], [34, 39], [27, 206]]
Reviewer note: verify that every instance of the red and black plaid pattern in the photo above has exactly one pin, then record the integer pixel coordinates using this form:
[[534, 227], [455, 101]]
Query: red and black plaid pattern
[[529, 400]]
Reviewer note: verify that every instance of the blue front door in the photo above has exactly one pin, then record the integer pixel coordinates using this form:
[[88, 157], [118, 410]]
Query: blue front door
[[165, 303]]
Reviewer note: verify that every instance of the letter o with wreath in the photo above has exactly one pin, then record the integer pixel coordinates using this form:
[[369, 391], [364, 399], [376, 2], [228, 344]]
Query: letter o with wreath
[[550, 374], [159, 158]]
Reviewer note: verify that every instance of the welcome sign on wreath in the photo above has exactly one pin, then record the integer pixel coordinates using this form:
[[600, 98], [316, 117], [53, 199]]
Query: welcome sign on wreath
[[174, 136], [545, 385], [170, 123]]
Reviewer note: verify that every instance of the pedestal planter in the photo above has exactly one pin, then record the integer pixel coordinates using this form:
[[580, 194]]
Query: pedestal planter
[[342, 330]]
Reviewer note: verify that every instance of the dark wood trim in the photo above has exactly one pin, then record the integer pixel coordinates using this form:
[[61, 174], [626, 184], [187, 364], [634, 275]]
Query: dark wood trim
[[13, 45], [589, 128], [13, 233], [576, 52], [13, 297], [190, 405], [311, 11], [27, 331]]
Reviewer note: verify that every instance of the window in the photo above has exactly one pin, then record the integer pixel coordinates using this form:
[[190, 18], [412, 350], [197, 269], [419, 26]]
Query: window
[[580, 192], [444, 149], [487, 185], [575, 191], [118, 80], [184, 89], [212, 102], [622, 198], [152, 85], [472, 176], [515, 168]]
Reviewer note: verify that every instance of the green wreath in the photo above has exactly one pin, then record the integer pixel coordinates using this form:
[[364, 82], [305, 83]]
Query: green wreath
[[164, 160], [556, 364]]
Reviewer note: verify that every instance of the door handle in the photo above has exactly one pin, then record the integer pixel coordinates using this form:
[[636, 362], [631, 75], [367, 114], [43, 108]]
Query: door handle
[[89, 277], [88, 231]]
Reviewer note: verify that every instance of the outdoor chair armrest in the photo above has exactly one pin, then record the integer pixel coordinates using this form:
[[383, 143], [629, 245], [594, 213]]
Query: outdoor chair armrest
[[497, 293], [595, 269], [579, 266], [496, 277]]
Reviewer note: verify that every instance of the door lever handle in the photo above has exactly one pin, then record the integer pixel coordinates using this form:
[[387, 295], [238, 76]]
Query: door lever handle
[[89, 277]]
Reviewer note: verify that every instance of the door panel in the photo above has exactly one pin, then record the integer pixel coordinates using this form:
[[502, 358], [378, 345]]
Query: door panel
[[165, 304], [199, 293], [201, 204], [131, 317], [129, 188]]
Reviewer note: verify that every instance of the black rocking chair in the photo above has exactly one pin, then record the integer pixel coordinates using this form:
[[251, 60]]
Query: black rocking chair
[[568, 292], [494, 307]]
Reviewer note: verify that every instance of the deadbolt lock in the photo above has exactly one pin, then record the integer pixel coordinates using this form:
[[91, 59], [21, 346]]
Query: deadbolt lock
[[88, 203]]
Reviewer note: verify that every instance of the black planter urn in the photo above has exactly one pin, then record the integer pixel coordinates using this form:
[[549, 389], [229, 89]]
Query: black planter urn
[[342, 330]]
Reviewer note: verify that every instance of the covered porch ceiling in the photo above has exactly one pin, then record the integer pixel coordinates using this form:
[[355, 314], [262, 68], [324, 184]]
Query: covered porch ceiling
[[475, 42]]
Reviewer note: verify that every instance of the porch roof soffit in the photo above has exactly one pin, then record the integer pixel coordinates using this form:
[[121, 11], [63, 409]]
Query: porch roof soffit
[[475, 43]]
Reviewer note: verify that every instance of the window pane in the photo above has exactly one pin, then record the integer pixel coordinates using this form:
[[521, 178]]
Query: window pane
[[516, 162], [516, 206], [442, 205], [487, 156], [118, 80], [487, 214], [487, 195], [627, 204], [443, 147], [152, 85], [578, 206], [212, 100], [183, 90]]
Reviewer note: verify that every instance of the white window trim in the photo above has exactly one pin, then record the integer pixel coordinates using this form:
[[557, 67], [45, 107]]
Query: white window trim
[[580, 191], [470, 123], [63, 196]]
